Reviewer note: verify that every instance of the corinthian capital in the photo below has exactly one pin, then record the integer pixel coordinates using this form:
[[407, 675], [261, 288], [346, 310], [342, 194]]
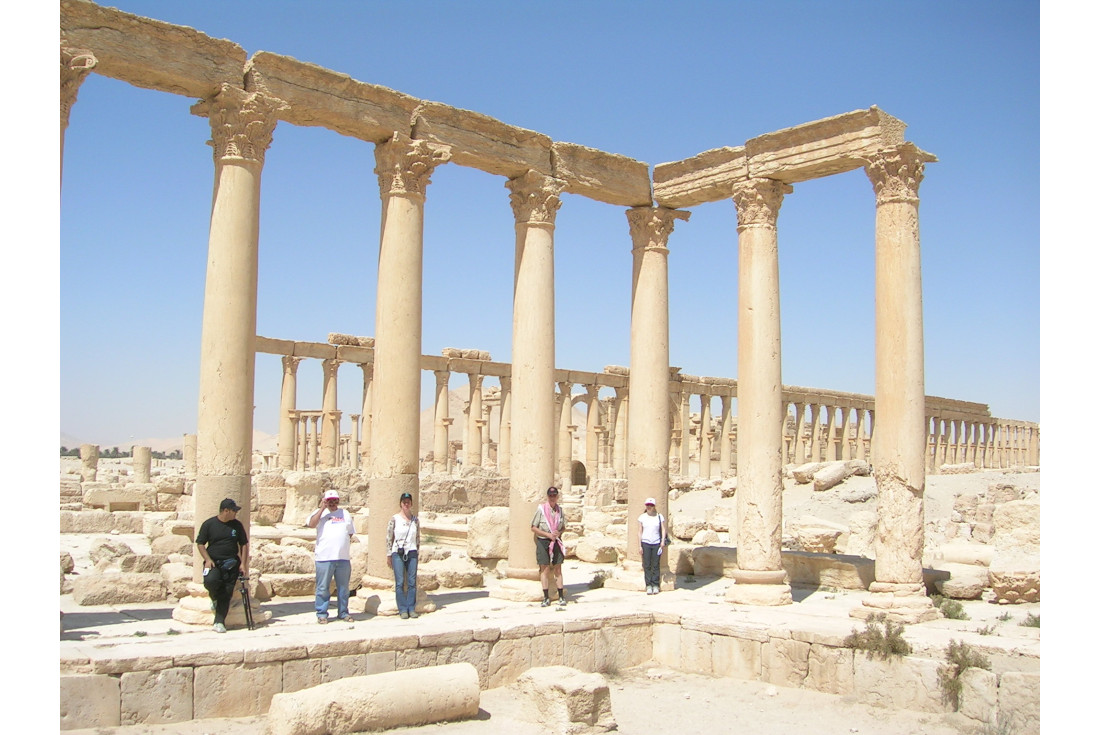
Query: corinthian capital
[[534, 198], [404, 166], [896, 173], [651, 226], [241, 123], [290, 364], [75, 65], [758, 201]]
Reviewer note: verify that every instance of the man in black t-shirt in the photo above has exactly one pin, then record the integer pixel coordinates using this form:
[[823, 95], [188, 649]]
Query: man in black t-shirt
[[223, 546]]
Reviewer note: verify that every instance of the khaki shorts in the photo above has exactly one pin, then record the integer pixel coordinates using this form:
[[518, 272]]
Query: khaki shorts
[[542, 553]]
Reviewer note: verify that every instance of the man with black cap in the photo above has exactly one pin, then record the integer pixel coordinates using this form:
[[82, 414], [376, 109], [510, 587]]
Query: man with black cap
[[223, 546]]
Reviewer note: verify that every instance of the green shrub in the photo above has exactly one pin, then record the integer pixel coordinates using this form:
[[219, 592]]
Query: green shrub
[[880, 638], [960, 657], [1004, 617], [987, 630], [1031, 621], [952, 609]]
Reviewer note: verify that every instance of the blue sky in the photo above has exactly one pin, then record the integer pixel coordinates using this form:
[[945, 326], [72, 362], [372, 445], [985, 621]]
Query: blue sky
[[653, 81]]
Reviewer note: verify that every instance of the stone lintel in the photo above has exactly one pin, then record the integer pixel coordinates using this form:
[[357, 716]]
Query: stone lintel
[[467, 366], [151, 53], [950, 408], [434, 362], [480, 141], [272, 346], [706, 177], [819, 397], [823, 147], [321, 97], [316, 350], [352, 353], [605, 177]]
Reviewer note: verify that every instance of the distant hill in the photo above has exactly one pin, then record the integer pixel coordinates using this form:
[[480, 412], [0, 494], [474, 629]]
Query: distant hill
[[261, 441]]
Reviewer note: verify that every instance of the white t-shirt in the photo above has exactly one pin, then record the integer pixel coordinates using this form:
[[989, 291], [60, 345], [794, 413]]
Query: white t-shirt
[[651, 527], [404, 533], [334, 532]]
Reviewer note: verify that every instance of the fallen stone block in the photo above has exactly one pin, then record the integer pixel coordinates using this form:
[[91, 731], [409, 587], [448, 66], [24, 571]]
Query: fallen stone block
[[803, 474], [142, 563], [114, 589], [487, 535], [292, 585], [108, 550], [966, 581], [378, 701], [1014, 578], [567, 701]]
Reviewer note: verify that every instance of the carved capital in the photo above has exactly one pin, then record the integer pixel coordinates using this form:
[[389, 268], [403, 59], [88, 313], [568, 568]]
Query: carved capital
[[75, 65], [405, 166], [329, 367], [896, 173], [241, 123], [290, 364], [535, 198], [442, 377], [651, 226], [758, 202]]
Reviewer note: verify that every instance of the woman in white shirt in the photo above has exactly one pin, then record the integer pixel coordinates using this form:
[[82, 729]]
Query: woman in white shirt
[[403, 542], [651, 531]]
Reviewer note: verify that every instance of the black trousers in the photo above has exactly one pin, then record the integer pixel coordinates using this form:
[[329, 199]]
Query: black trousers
[[219, 582], [651, 564]]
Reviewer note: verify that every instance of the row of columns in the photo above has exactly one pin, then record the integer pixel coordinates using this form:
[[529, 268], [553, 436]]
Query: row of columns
[[985, 444]]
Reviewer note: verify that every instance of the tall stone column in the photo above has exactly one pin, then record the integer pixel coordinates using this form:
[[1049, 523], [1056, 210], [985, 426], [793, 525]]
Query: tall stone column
[[486, 442], [287, 404], [89, 462], [535, 201], [303, 441], [353, 445], [724, 447], [75, 65], [760, 577], [190, 456], [705, 436], [622, 434], [330, 417], [649, 422], [314, 441], [473, 431], [442, 425], [685, 431], [565, 437], [899, 428], [504, 445], [591, 443], [241, 125], [404, 169], [368, 412], [141, 460]]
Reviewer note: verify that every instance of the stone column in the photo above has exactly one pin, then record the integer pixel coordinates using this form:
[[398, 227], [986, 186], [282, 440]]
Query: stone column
[[442, 425], [314, 440], [705, 435], [141, 460], [483, 427], [535, 202], [650, 419], [404, 169], [241, 125], [846, 433], [75, 65], [301, 429], [813, 421], [353, 445], [685, 431], [473, 431], [724, 446], [89, 462], [504, 442], [287, 404], [591, 443], [760, 577], [799, 442], [622, 433], [190, 456], [829, 442], [368, 412], [565, 438], [330, 417], [899, 389]]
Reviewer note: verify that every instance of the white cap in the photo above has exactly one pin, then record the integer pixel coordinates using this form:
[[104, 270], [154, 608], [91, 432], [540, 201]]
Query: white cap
[[330, 494], [650, 501]]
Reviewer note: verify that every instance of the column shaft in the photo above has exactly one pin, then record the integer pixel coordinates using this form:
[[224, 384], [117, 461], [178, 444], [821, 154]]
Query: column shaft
[[287, 404]]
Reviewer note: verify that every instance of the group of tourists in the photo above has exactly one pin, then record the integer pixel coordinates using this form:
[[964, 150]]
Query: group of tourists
[[223, 545]]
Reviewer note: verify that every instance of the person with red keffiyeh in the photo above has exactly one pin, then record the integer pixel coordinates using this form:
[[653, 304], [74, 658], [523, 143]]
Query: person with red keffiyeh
[[548, 525]]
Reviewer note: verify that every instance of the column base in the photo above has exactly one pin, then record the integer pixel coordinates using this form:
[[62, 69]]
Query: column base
[[520, 590], [377, 596], [194, 609], [904, 603], [759, 587]]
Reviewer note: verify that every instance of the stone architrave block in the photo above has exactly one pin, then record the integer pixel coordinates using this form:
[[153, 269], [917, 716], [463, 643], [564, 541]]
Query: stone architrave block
[[150, 53], [706, 177], [90, 700], [482, 142], [784, 662], [330, 99], [1018, 701], [157, 697], [236, 690], [378, 702], [735, 657], [908, 683], [605, 177], [567, 701], [696, 652], [978, 698], [508, 658], [487, 535], [830, 670], [823, 147], [113, 589]]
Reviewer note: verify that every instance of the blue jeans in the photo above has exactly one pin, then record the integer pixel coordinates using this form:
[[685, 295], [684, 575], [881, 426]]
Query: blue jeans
[[326, 570], [404, 576]]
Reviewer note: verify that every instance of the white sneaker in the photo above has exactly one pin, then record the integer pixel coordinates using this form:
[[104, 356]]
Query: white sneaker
[[219, 628]]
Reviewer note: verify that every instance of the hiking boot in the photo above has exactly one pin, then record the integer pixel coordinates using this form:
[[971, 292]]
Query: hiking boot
[[546, 602], [219, 628]]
